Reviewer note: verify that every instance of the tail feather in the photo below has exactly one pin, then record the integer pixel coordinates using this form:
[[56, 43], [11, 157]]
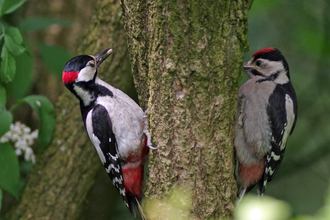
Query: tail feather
[[143, 217], [240, 195], [242, 192], [133, 204]]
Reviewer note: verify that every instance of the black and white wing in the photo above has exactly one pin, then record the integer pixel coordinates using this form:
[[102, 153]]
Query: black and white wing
[[101, 135], [282, 113]]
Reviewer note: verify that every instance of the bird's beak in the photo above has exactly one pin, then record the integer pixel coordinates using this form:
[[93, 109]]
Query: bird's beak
[[100, 57], [246, 66]]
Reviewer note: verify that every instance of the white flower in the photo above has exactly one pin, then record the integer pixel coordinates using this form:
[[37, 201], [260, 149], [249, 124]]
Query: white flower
[[22, 138]]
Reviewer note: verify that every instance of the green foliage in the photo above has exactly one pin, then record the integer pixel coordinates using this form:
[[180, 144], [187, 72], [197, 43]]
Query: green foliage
[[22, 81], [9, 174], [8, 6], [6, 119], [8, 66], [0, 198], [3, 98], [15, 79], [45, 111]]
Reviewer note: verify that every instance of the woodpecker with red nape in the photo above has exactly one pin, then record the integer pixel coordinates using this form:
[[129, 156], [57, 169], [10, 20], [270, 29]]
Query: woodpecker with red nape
[[266, 116], [115, 124]]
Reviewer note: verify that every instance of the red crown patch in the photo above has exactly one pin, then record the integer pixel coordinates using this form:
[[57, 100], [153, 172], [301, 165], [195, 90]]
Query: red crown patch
[[266, 50]]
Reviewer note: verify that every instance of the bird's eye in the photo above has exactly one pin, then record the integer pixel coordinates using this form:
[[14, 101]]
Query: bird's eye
[[259, 62], [91, 64]]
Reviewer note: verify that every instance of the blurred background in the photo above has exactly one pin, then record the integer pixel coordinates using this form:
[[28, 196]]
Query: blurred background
[[300, 29]]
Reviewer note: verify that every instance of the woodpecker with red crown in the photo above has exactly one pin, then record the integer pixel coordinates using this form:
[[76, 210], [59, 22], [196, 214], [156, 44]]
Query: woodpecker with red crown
[[115, 124], [266, 116]]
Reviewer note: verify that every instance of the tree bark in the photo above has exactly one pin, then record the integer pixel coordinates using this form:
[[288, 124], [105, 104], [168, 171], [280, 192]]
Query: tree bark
[[188, 57], [62, 176]]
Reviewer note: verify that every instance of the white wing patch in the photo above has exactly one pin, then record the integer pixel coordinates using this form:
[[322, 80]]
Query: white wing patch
[[111, 166], [117, 180], [269, 171], [96, 142], [275, 157], [289, 118], [114, 157]]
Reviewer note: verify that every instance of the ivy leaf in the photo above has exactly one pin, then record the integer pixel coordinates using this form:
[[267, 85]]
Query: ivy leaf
[[9, 169], [8, 66], [45, 111]]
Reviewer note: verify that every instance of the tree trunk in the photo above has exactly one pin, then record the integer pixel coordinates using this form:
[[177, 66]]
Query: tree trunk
[[187, 58]]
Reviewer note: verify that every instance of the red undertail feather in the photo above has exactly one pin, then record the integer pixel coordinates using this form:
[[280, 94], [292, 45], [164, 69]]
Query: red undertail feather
[[133, 171], [266, 50], [133, 179], [250, 175]]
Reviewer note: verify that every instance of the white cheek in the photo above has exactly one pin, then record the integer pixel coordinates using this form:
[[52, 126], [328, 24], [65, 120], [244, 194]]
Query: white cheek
[[86, 74], [282, 78], [273, 66]]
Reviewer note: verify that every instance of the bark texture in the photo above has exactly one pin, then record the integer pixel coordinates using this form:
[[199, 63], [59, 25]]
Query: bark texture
[[62, 176], [187, 56]]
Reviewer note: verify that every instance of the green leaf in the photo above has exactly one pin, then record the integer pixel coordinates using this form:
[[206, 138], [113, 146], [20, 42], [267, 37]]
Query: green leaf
[[45, 111], [3, 97], [39, 23], [14, 40], [6, 119], [11, 5], [8, 66], [15, 34], [55, 58], [0, 198], [23, 77], [9, 169], [1, 4]]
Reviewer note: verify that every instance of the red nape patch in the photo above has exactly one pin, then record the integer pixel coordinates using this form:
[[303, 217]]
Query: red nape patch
[[133, 179], [69, 77], [250, 175], [266, 50]]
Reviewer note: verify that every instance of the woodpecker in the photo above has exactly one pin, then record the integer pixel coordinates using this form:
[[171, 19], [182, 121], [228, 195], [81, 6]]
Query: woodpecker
[[115, 124], [266, 116]]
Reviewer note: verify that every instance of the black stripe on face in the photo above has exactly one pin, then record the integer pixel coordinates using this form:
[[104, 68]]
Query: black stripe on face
[[256, 72], [272, 77]]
